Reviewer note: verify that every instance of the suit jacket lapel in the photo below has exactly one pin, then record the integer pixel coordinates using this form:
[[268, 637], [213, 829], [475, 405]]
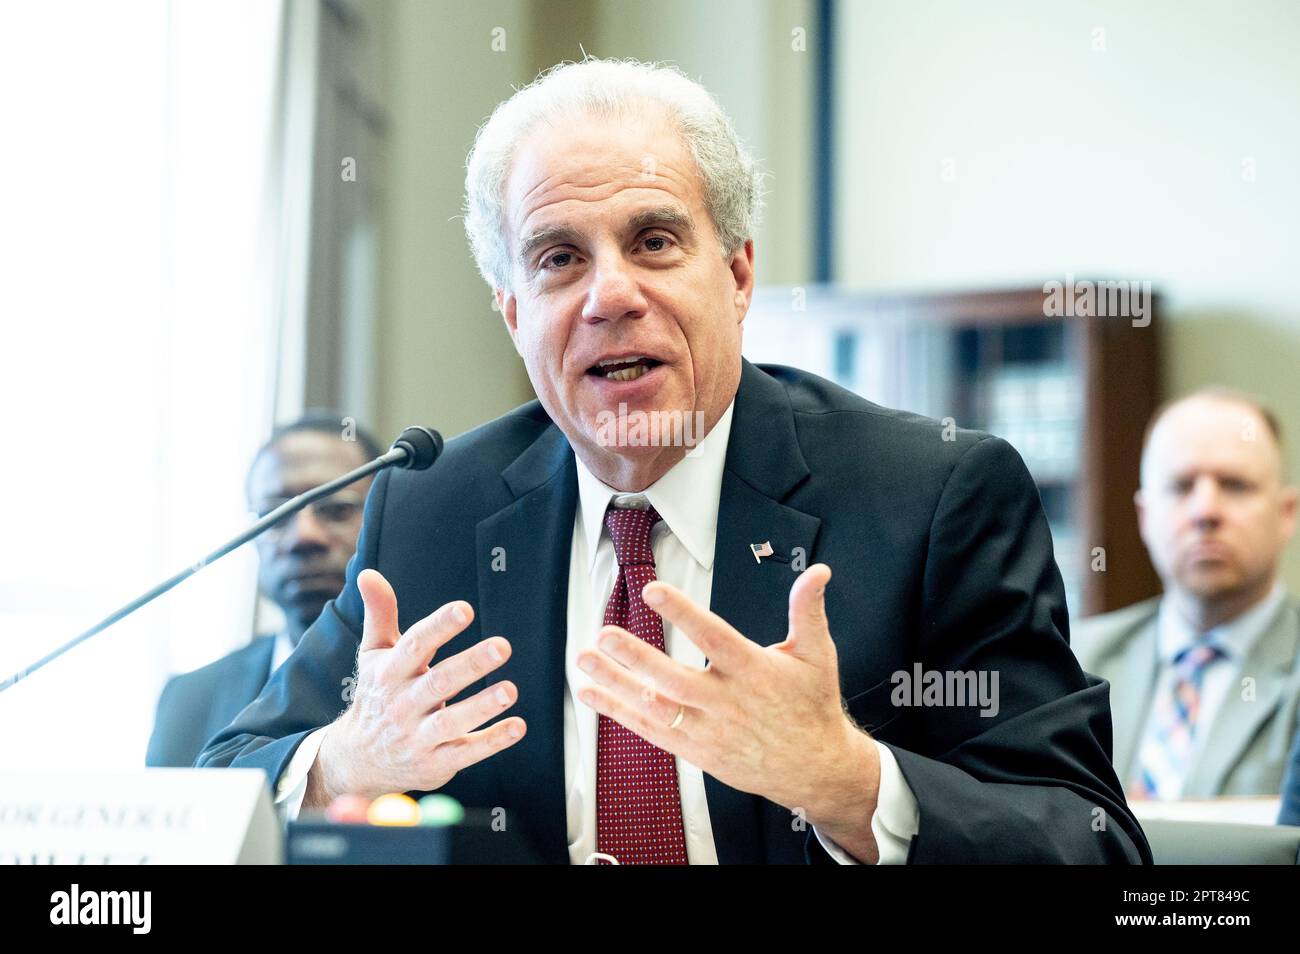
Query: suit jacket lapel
[[1238, 720], [527, 602], [764, 464]]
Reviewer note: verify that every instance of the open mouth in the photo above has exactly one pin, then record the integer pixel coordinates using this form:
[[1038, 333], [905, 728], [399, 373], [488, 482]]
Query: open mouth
[[623, 369]]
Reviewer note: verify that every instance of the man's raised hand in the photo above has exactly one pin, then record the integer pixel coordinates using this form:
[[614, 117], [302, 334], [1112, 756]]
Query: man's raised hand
[[399, 734]]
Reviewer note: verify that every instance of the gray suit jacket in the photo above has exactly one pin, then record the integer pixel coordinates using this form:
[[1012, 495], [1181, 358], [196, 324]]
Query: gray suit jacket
[[1246, 752]]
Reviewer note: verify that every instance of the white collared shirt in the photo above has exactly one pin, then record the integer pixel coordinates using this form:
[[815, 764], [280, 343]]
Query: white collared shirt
[[281, 651], [687, 498]]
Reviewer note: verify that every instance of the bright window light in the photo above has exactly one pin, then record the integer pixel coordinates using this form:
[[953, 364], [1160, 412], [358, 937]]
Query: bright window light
[[137, 360]]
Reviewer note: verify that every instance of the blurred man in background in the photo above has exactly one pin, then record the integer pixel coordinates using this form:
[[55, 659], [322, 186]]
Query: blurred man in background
[[1205, 678], [301, 564]]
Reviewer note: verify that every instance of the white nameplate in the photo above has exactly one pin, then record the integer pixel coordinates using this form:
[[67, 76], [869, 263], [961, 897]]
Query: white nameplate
[[140, 816]]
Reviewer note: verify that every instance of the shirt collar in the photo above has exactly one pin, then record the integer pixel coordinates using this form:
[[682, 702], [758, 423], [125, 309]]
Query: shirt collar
[[1236, 638], [686, 497]]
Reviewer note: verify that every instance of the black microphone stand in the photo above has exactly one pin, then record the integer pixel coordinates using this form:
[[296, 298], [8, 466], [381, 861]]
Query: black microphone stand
[[415, 449]]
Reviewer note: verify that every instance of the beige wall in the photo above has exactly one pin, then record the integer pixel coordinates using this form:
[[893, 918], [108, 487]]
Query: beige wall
[[1125, 162], [444, 357]]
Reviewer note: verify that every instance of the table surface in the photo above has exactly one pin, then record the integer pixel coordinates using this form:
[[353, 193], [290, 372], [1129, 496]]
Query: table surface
[[1258, 810]]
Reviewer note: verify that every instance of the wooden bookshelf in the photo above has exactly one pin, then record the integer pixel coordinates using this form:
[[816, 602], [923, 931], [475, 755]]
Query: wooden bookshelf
[[1071, 393]]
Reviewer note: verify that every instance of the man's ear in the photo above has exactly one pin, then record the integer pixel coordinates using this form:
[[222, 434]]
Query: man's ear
[[1139, 503], [506, 304], [1290, 504], [742, 271]]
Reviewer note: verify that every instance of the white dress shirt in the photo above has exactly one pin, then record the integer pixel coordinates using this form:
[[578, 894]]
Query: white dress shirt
[[281, 651], [1236, 638], [687, 498]]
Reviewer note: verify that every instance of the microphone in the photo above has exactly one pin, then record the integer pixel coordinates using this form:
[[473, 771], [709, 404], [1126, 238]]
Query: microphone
[[421, 446], [416, 448]]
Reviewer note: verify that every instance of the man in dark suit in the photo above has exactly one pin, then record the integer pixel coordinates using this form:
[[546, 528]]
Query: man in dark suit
[[736, 706], [195, 705], [301, 565]]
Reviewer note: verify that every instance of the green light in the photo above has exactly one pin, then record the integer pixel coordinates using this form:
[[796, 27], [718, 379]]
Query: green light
[[440, 810]]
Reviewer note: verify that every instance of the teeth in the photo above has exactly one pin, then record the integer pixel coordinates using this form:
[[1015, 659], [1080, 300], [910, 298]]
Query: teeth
[[627, 374], [635, 357]]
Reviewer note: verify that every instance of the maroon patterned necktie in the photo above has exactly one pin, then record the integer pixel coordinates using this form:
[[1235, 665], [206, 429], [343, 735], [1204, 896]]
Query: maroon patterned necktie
[[638, 803]]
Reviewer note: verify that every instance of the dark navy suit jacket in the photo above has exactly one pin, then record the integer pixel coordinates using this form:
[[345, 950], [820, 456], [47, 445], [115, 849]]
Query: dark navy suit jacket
[[941, 555], [194, 706]]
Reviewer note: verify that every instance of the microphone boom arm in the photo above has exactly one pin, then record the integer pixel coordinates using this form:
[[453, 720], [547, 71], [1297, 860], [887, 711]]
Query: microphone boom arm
[[409, 450]]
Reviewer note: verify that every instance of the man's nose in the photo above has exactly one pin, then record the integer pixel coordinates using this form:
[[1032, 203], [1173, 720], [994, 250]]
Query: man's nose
[[614, 291], [1204, 502], [304, 531]]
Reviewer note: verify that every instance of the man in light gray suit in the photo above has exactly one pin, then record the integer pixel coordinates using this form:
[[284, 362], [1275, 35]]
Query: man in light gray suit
[[1205, 679]]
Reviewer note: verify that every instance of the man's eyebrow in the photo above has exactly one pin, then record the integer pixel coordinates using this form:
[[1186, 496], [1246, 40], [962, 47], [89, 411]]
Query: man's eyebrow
[[555, 234], [665, 216], [286, 492]]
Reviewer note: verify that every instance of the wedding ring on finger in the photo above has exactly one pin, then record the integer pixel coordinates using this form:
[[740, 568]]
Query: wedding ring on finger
[[677, 719]]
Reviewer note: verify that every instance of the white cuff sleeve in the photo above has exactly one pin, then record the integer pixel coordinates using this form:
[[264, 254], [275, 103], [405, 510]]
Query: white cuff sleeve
[[292, 787], [895, 821]]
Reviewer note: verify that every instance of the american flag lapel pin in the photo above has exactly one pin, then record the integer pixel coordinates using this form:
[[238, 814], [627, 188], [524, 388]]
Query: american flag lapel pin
[[760, 550]]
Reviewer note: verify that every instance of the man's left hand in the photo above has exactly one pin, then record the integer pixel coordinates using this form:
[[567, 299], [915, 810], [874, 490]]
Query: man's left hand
[[765, 720]]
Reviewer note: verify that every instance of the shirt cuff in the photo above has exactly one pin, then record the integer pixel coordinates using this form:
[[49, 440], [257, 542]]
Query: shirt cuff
[[895, 821], [292, 787]]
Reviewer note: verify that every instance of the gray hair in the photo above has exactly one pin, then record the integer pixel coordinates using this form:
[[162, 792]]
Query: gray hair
[[612, 88]]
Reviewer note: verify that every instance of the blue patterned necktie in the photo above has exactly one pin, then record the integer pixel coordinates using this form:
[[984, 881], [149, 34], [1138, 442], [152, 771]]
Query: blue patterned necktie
[[1167, 750]]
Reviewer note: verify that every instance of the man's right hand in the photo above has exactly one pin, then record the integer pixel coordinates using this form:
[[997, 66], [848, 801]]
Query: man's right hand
[[399, 734]]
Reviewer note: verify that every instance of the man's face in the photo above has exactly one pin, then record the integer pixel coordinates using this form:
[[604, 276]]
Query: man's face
[[616, 258], [303, 559], [1212, 509]]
